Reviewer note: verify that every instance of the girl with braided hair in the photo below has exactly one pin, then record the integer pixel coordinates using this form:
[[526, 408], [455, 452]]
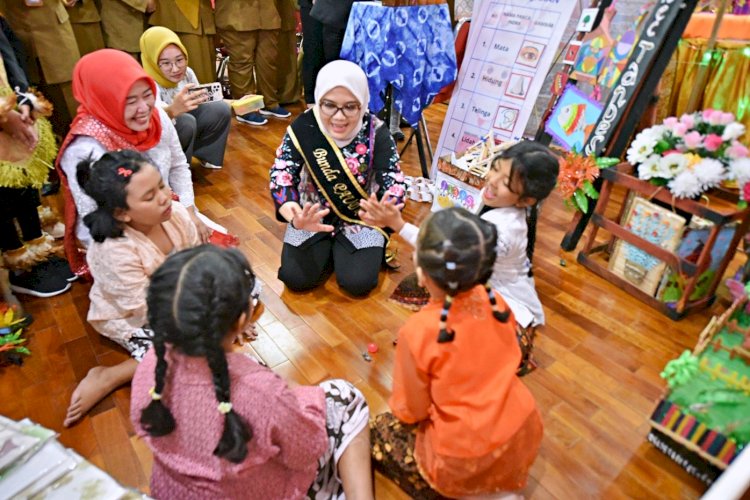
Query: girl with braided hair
[[219, 424], [521, 177], [462, 422]]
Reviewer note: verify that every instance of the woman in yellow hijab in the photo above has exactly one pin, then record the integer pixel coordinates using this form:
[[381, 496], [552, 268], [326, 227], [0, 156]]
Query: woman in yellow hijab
[[203, 127]]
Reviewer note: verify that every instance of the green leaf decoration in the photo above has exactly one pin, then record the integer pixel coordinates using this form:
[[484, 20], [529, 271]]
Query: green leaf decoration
[[590, 190], [679, 371], [606, 162], [661, 146], [581, 200], [10, 339]]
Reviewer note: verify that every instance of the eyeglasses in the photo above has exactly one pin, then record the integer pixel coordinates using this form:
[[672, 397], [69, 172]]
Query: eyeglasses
[[177, 63], [350, 109]]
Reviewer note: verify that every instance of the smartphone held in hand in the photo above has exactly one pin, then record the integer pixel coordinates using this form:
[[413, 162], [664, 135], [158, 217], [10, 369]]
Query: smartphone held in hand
[[213, 91]]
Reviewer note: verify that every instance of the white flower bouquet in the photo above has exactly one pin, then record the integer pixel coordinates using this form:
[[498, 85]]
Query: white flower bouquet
[[693, 153]]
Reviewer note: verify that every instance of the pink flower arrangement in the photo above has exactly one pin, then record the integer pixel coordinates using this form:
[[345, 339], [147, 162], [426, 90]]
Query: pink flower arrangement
[[692, 140], [692, 153], [712, 142]]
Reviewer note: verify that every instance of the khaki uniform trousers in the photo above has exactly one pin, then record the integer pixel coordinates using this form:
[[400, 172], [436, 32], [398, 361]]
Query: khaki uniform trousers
[[123, 24], [253, 50], [87, 26], [288, 70], [89, 37]]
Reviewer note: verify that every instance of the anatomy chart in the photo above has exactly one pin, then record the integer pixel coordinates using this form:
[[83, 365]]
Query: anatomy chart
[[511, 46]]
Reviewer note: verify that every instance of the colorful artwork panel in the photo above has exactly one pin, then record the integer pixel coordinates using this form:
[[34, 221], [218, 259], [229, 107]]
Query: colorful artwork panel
[[573, 118]]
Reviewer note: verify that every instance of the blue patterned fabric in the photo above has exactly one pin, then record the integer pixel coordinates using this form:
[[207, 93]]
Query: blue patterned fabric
[[411, 48]]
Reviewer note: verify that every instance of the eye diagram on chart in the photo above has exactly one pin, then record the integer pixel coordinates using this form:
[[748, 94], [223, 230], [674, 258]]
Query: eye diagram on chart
[[530, 53], [510, 50]]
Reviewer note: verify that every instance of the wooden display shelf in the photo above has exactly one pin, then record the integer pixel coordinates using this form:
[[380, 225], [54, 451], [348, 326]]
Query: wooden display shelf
[[720, 209]]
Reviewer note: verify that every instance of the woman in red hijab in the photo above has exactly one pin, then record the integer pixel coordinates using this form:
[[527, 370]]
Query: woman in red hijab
[[116, 112]]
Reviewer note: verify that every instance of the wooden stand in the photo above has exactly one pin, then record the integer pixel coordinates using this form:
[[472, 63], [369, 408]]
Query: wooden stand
[[718, 210]]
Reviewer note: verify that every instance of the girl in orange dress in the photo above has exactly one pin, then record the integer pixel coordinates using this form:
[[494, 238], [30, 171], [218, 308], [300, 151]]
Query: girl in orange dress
[[463, 423]]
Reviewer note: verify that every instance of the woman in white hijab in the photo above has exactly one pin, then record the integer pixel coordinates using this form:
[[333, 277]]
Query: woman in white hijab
[[331, 157]]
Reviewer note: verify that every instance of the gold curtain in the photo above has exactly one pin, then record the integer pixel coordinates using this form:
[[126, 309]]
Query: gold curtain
[[727, 86]]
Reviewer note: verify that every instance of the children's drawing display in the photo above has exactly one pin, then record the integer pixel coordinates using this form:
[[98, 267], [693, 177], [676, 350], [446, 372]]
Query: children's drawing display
[[573, 118]]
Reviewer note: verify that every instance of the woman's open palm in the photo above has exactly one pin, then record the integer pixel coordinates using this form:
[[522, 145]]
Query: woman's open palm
[[310, 218]]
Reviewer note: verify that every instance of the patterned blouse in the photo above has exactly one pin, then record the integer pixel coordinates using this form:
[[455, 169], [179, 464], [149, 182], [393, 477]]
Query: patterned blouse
[[166, 156], [122, 267], [379, 173]]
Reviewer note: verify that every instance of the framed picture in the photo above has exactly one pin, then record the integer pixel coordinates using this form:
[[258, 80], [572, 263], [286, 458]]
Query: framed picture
[[696, 236], [586, 21], [571, 52], [573, 118], [656, 225]]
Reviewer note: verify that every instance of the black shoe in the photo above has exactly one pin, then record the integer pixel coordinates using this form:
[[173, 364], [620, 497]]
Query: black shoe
[[398, 136], [39, 282], [59, 267]]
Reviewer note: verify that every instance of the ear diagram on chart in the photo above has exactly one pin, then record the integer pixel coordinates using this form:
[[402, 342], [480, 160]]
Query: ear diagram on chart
[[506, 118]]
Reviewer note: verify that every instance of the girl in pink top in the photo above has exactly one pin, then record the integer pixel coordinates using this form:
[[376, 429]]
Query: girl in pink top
[[219, 424], [134, 227]]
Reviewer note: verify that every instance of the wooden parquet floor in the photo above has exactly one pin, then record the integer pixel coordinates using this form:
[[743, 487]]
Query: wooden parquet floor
[[600, 353]]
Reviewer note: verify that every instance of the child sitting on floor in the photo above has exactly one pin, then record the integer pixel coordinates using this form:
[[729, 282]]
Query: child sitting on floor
[[135, 226], [477, 428], [219, 424], [520, 178]]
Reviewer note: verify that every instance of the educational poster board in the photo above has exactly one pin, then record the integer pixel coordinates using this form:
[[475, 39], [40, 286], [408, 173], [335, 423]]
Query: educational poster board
[[512, 44]]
